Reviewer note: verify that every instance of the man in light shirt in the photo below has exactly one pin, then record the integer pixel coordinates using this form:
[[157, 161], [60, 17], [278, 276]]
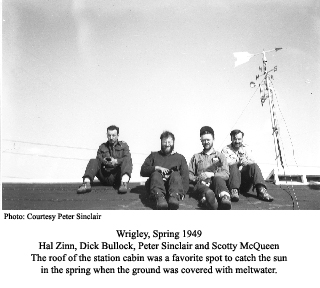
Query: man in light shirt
[[244, 172], [208, 171]]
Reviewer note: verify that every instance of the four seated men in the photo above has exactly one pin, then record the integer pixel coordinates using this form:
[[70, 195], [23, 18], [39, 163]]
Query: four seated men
[[211, 172]]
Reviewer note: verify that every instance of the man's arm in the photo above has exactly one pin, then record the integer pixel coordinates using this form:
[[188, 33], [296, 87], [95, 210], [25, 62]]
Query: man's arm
[[184, 172], [223, 171], [248, 158], [206, 175], [193, 170], [147, 167], [231, 157], [125, 154], [101, 154]]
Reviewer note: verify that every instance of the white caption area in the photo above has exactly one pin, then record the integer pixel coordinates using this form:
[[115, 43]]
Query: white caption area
[[220, 248]]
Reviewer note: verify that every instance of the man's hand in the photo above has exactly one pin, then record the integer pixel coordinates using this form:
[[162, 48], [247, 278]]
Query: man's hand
[[162, 170], [111, 163], [205, 175], [245, 162]]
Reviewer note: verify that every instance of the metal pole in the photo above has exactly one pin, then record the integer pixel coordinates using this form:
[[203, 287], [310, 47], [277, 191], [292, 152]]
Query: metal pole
[[274, 122]]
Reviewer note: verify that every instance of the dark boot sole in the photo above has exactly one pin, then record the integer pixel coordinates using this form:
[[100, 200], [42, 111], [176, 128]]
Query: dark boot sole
[[264, 199], [225, 206], [162, 207], [122, 191], [173, 206], [83, 192]]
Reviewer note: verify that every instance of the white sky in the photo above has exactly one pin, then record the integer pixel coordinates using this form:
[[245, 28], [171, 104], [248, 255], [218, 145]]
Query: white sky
[[72, 68]]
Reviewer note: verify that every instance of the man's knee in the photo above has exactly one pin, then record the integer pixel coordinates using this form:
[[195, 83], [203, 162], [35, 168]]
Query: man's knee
[[147, 186], [156, 175], [156, 182], [234, 168], [254, 167], [211, 200], [218, 184], [217, 180], [175, 176], [126, 167], [92, 169], [201, 189], [94, 162]]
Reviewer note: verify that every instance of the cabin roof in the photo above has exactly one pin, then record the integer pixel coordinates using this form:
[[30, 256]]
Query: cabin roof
[[63, 196]]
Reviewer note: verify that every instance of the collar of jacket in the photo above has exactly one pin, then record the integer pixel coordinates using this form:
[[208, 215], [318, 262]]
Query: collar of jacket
[[172, 152], [212, 152], [231, 145], [115, 144]]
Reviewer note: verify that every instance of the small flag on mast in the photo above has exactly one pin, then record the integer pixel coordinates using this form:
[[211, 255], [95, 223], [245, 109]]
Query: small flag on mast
[[242, 57]]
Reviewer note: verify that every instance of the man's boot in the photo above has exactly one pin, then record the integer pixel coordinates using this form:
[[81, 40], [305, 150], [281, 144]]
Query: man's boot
[[263, 194], [234, 195], [211, 201], [123, 188], [225, 201], [161, 202], [85, 187], [174, 201]]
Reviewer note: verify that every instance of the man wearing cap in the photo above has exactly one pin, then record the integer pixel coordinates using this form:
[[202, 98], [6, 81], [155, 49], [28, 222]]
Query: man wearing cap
[[112, 165], [244, 172], [168, 174], [208, 171]]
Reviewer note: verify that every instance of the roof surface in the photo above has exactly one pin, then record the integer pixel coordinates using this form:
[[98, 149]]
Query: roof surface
[[63, 196]]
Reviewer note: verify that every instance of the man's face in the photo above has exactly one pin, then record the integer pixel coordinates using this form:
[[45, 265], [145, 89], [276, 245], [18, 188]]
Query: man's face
[[112, 136], [207, 141], [167, 145], [237, 140]]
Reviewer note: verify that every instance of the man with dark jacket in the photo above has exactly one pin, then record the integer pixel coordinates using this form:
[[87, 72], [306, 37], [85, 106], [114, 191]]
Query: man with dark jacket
[[208, 171], [168, 174], [112, 166]]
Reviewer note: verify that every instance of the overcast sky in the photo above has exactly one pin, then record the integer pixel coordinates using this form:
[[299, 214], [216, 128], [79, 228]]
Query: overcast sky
[[72, 68]]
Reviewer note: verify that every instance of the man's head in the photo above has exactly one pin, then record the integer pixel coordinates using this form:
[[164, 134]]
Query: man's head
[[207, 137], [167, 142], [113, 134], [236, 138]]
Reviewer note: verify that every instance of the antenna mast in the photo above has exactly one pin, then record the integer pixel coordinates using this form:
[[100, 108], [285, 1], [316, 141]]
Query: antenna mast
[[267, 92]]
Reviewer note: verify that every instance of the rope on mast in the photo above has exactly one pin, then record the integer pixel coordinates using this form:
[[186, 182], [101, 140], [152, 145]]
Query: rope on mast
[[267, 92]]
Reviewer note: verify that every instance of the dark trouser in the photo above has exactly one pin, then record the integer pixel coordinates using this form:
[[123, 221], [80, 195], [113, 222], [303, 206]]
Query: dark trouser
[[244, 179], [171, 187], [106, 176], [217, 185]]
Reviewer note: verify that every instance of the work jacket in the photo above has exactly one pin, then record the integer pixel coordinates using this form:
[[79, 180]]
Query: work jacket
[[120, 151], [214, 162]]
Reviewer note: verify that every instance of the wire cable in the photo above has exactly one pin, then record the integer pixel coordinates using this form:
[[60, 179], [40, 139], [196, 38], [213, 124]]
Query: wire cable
[[242, 112], [294, 196], [62, 146], [285, 123]]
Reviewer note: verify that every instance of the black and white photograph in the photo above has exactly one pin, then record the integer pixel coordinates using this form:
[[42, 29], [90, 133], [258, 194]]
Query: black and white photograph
[[113, 111]]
